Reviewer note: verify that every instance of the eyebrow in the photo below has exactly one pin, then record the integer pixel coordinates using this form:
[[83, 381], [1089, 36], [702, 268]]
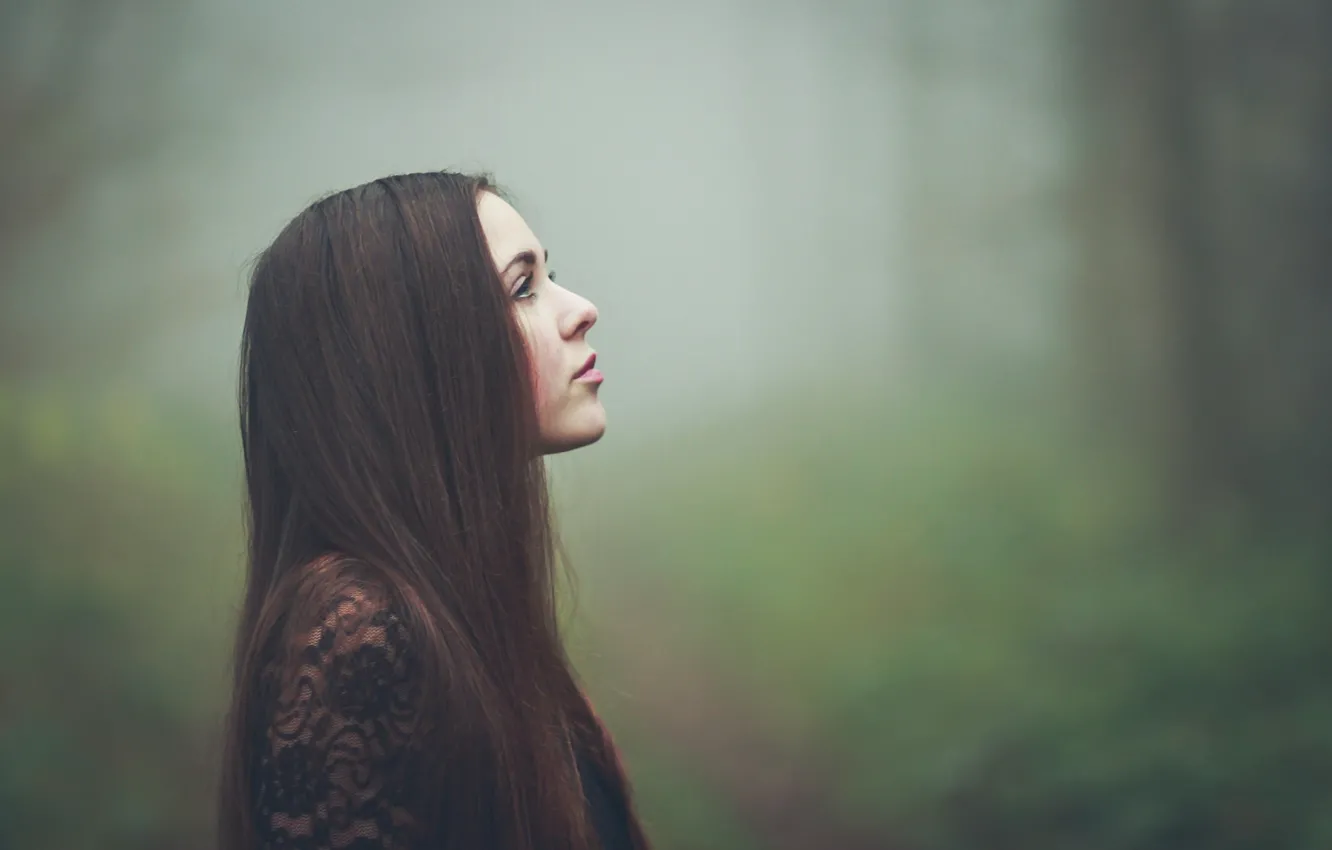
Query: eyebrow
[[528, 257]]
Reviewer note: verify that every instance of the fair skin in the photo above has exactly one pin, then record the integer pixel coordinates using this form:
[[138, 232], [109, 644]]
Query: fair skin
[[554, 323]]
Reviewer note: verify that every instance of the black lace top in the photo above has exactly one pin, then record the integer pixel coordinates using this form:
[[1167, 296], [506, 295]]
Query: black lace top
[[332, 756]]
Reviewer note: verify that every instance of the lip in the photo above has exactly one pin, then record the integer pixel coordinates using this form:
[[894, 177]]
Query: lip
[[588, 371]]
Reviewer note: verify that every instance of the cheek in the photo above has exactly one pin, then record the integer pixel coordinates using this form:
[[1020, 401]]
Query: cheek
[[542, 368]]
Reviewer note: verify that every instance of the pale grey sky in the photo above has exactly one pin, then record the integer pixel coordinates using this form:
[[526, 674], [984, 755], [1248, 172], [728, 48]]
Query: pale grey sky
[[731, 182]]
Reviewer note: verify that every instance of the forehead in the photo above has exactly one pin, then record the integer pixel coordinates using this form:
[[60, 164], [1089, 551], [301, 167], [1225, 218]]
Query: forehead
[[506, 232]]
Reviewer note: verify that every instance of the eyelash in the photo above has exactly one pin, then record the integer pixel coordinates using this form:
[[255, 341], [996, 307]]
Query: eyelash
[[524, 290]]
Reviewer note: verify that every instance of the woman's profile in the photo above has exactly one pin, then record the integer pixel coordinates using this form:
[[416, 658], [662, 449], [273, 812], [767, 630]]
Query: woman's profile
[[400, 679]]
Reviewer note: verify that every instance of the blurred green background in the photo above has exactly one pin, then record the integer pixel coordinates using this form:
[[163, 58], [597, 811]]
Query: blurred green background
[[969, 372]]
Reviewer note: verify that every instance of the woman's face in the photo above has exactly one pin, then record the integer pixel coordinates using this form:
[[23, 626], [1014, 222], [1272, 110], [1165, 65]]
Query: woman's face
[[554, 322]]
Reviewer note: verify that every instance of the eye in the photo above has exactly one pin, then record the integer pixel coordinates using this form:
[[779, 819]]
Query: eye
[[550, 275], [524, 290]]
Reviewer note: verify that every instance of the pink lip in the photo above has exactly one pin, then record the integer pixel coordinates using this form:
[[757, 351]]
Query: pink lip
[[588, 372]]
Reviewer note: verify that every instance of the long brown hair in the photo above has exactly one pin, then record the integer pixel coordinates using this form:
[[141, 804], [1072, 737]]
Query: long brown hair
[[387, 416]]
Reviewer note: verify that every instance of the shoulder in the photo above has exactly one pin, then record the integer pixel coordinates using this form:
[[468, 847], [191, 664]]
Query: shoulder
[[345, 647], [340, 702], [338, 606]]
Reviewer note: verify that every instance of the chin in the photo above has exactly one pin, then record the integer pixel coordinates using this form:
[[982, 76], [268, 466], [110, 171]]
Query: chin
[[586, 430]]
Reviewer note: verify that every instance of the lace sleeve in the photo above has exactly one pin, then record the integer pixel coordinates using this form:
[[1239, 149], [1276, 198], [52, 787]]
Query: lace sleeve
[[333, 760]]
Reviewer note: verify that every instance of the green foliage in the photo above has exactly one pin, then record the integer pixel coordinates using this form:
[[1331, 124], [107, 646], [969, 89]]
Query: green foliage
[[968, 629], [972, 621], [118, 560], [681, 811]]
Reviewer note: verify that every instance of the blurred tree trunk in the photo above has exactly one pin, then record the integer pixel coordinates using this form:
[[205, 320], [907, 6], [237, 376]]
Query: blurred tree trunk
[[917, 44], [1270, 110], [84, 89], [1151, 300], [1205, 267]]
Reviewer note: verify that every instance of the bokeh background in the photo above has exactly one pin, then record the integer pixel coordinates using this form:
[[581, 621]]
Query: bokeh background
[[969, 368]]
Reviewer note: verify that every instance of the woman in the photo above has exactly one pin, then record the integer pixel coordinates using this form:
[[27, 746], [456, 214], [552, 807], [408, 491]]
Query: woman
[[407, 359]]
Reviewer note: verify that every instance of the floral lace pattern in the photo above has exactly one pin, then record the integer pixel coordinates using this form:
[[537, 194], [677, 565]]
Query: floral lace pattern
[[333, 759]]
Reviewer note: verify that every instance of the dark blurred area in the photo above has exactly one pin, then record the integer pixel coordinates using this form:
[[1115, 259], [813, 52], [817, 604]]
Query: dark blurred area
[[969, 364]]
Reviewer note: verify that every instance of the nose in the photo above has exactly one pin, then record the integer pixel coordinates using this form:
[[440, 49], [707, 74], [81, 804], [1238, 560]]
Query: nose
[[579, 316]]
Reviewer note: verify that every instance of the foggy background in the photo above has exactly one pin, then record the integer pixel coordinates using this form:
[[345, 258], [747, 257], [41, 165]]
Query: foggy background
[[968, 370]]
